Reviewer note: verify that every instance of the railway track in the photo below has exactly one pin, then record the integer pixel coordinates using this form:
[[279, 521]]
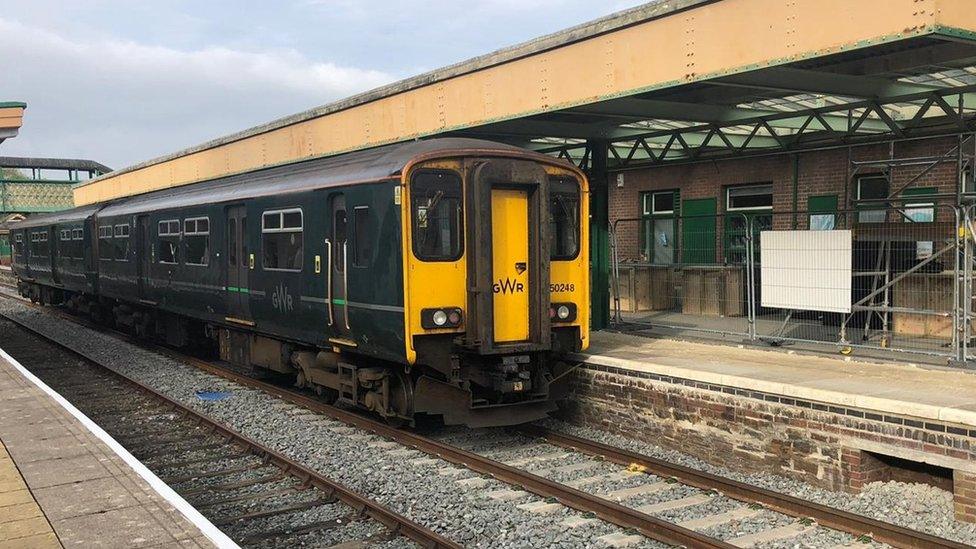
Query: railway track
[[258, 497], [617, 485]]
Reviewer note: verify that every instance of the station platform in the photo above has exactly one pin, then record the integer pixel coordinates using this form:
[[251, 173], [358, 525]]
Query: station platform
[[839, 423], [62, 484]]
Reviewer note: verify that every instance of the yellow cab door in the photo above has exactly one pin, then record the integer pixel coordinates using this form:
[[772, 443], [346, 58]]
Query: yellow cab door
[[510, 264]]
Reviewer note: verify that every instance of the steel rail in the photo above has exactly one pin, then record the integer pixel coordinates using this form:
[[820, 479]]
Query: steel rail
[[650, 526], [894, 535], [625, 517], [396, 523], [851, 523]]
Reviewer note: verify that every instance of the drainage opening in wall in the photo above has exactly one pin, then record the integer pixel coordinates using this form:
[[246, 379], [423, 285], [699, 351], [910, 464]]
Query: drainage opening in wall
[[887, 468]]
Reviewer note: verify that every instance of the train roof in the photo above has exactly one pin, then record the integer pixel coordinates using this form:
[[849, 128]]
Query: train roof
[[346, 169], [78, 214]]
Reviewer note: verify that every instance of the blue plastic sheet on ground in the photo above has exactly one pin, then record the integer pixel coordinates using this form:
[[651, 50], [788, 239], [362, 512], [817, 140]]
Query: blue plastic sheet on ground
[[213, 395]]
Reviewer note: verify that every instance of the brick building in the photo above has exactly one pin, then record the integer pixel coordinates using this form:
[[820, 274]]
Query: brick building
[[801, 190]]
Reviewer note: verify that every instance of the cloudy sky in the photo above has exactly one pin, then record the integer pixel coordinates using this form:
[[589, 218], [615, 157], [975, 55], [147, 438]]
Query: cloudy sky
[[120, 81]]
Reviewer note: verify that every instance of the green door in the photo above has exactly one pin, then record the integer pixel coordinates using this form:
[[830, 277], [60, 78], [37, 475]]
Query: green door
[[698, 231]]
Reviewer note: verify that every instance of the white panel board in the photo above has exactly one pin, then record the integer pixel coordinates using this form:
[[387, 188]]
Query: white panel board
[[806, 270]]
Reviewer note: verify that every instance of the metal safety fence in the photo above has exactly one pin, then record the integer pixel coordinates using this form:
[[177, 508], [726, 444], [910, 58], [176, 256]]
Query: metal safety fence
[[892, 276]]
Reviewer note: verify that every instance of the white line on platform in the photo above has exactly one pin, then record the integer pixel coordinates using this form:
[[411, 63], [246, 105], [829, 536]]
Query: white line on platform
[[206, 527]]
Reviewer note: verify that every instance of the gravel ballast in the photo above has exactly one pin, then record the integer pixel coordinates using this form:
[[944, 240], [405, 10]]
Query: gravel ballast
[[467, 516], [916, 506]]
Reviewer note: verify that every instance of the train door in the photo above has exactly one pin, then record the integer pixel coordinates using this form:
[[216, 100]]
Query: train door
[[338, 289], [510, 264], [238, 264], [144, 255]]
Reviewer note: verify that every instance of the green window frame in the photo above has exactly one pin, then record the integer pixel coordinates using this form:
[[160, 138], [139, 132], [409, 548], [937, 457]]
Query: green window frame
[[872, 213], [655, 206], [738, 218], [822, 212], [921, 211]]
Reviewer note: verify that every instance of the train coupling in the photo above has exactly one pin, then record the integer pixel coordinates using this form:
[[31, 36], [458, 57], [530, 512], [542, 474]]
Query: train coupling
[[512, 374]]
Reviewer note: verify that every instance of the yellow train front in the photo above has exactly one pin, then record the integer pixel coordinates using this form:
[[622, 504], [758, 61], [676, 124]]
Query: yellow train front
[[496, 283]]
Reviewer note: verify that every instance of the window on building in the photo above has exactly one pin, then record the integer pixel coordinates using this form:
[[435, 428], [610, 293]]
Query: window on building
[[872, 187], [919, 210], [658, 226], [169, 241], [363, 227], [822, 211], [105, 246], [121, 242], [282, 239], [196, 236], [436, 204], [746, 205], [564, 219], [749, 198]]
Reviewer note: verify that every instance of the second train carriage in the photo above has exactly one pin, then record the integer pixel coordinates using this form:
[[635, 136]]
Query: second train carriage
[[443, 277]]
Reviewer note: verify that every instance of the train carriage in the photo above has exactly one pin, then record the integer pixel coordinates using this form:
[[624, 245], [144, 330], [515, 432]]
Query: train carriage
[[442, 277]]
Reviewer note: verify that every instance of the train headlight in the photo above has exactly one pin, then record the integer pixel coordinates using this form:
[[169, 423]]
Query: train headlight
[[562, 312], [439, 318], [444, 317]]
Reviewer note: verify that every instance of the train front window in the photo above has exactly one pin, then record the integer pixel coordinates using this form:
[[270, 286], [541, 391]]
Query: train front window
[[564, 219], [436, 211]]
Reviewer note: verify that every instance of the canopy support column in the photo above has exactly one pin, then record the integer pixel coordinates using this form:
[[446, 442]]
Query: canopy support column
[[599, 234]]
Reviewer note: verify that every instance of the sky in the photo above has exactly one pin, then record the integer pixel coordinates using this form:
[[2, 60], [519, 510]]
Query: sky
[[122, 81]]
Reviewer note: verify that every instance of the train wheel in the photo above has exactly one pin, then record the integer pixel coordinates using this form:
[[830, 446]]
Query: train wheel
[[400, 411]]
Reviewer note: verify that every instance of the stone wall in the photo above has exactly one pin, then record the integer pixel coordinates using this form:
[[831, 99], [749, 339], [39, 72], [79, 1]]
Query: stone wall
[[828, 446]]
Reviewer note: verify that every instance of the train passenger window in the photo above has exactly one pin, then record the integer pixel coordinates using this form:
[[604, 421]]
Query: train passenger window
[[282, 239], [169, 241], [105, 248], [341, 236], [436, 203], [121, 242], [77, 246], [244, 256], [363, 245], [232, 242], [564, 219], [43, 247], [197, 237]]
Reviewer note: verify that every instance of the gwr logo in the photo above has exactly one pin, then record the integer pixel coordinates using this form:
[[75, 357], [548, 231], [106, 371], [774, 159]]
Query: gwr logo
[[508, 286]]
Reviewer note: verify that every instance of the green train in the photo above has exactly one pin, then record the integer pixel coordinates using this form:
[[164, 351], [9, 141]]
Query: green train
[[444, 277]]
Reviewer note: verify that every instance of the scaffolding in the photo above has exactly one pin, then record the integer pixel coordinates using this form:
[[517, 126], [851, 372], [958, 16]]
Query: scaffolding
[[953, 242]]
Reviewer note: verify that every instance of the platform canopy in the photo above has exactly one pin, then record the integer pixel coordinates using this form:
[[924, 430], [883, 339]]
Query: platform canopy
[[11, 118], [667, 82]]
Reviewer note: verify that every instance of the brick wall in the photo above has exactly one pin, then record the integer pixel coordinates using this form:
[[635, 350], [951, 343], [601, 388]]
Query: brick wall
[[818, 173], [751, 432]]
